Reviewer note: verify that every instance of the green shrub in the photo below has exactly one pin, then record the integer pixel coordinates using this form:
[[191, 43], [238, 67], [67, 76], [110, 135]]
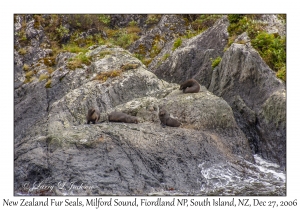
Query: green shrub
[[177, 43], [62, 31], [77, 61], [73, 48], [234, 18], [281, 74], [216, 62], [272, 48], [138, 56], [84, 22], [245, 23], [124, 39], [104, 19], [101, 41], [237, 28], [132, 23], [203, 22], [84, 58]]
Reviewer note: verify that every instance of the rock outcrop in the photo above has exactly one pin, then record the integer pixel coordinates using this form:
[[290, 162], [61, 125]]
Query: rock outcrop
[[192, 59], [121, 159], [157, 38], [242, 78], [257, 98]]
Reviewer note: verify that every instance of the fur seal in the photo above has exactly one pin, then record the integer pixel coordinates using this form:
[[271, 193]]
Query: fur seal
[[190, 86], [122, 117], [93, 116], [165, 119]]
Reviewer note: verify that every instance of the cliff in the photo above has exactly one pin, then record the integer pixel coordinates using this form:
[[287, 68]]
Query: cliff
[[239, 111]]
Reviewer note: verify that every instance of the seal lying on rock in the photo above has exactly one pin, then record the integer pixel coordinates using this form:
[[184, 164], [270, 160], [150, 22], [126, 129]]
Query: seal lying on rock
[[190, 86], [165, 119], [93, 116], [122, 117]]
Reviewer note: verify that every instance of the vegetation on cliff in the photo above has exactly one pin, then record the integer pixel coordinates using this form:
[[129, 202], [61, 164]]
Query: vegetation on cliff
[[271, 46], [75, 33], [65, 64]]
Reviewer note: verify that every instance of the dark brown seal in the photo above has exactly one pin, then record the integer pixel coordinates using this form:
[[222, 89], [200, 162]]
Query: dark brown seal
[[165, 119], [122, 117], [190, 86], [93, 116]]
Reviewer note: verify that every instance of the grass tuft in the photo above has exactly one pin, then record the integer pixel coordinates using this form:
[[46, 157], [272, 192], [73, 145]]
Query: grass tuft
[[78, 61], [48, 84], [26, 67], [43, 77], [215, 62], [22, 51], [103, 76], [177, 43]]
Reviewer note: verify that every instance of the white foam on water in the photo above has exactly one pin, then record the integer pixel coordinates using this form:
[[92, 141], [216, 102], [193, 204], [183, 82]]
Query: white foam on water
[[261, 177], [266, 167]]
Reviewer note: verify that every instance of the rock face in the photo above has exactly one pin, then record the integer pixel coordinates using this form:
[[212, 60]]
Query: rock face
[[30, 42], [193, 58], [117, 158], [124, 20], [242, 79], [273, 24], [159, 36], [257, 97]]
